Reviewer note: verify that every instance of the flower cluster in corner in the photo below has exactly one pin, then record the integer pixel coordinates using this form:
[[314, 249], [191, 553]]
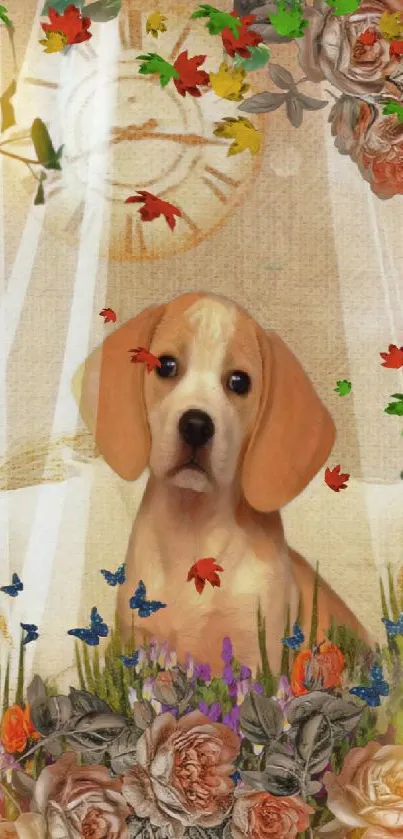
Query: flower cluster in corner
[[145, 746]]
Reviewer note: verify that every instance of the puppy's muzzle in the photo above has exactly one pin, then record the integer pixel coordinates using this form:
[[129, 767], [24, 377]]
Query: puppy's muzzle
[[196, 428]]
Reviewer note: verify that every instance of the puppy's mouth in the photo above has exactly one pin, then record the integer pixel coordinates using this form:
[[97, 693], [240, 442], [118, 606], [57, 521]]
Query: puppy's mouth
[[190, 464]]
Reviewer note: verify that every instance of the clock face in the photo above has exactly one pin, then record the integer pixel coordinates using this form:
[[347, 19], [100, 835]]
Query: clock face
[[123, 132]]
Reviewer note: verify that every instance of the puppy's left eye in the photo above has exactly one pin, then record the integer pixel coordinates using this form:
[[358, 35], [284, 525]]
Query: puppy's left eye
[[239, 383]]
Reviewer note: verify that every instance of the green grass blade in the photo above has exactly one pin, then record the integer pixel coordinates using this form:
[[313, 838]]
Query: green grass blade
[[89, 679], [392, 595], [385, 610], [80, 673], [268, 681], [6, 694], [19, 696], [314, 617], [285, 655]]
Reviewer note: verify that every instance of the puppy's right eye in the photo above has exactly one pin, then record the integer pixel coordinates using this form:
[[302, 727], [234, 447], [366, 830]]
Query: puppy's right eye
[[169, 367]]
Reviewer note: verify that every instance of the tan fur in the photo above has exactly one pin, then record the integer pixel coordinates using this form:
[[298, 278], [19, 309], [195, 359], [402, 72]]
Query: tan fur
[[267, 446]]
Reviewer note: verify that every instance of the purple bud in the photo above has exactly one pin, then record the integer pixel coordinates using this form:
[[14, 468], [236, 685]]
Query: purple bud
[[228, 674], [232, 719], [257, 688], [203, 672], [245, 673], [227, 653]]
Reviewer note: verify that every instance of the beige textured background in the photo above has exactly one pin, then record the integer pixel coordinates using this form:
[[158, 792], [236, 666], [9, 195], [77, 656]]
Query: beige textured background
[[310, 252]]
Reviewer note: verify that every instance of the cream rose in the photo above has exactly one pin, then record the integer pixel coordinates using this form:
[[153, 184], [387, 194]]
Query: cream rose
[[27, 826], [80, 801], [331, 49], [260, 815], [182, 774], [367, 795]]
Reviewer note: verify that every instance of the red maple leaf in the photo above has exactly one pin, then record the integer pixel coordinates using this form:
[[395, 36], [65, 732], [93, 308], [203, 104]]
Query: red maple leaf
[[246, 38], [154, 207], [368, 38], [189, 74], [396, 49], [109, 315], [202, 570], [393, 358], [70, 24], [143, 356], [335, 479]]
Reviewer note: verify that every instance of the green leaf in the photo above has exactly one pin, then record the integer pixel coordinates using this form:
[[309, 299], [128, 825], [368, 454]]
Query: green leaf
[[103, 10], [289, 20], [4, 16], [40, 194], [60, 5], [217, 21], [343, 7], [392, 595], [343, 387], [7, 110], [259, 56], [392, 107], [153, 63], [314, 618], [267, 680], [395, 408], [44, 148], [19, 696]]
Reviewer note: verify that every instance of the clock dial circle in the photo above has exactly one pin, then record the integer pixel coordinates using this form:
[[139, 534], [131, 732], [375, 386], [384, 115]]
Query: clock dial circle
[[153, 140]]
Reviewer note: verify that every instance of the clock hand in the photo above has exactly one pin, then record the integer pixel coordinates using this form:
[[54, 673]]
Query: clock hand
[[146, 131]]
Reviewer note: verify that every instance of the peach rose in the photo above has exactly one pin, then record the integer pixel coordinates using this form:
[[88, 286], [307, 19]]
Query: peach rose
[[373, 141], [182, 774], [331, 49], [80, 801], [317, 670], [27, 826], [261, 815], [367, 795], [17, 729]]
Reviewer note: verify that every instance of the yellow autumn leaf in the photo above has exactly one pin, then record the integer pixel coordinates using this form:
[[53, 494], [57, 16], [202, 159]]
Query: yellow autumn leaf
[[242, 132], [155, 23], [391, 25], [54, 42], [229, 83]]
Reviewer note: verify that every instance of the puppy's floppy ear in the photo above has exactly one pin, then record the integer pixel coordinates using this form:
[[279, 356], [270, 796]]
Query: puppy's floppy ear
[[293, 434], [112, 396]]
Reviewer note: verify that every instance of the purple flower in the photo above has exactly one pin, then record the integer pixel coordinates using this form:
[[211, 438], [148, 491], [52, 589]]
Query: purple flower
[[170, 709], [245, 673], [213, 712], [226, 653], [232, 719], [233, 689], [203, 672], [153, 650], [228, 675], [257, 688]]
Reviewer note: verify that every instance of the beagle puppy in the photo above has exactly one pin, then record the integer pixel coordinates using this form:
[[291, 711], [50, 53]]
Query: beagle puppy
[[231, 430]]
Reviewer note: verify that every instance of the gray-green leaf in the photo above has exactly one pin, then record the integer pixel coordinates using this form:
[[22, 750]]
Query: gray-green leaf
[[281, 77], [311, 104], [261, 719], [282, 775], [342, 714], [36, 690], [122, 751], [50, 714], [84, 702], [314, 743], [295, 111], [103, 10], [263, 103]]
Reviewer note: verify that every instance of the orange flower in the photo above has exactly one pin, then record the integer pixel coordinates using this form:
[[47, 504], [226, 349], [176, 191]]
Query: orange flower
[[316, 670], [17, 729]]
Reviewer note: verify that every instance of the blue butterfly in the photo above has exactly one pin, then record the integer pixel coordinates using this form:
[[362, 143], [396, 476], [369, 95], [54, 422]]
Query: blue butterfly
[[114, 578], [393, 628], [145, 607], [32, 632], [371, 694], [91, 635], [296, 639], [14, 588], [130, 660]]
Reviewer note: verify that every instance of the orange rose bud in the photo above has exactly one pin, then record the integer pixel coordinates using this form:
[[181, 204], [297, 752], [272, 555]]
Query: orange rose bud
[[13, 730], [317, 670], [31, 731]]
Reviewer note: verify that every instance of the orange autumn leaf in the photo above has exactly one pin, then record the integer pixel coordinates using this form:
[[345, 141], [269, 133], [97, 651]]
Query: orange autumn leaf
[[109, 315], [246, 38], [205, 570], [368, 38], [190, 77], [17, 729], [393, 358], [320, 669], [153, 207], [396, 49], [70, 24], [335, 479], [143, 356]]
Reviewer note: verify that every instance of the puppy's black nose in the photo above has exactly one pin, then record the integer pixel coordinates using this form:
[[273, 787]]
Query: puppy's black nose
[[196, 428]]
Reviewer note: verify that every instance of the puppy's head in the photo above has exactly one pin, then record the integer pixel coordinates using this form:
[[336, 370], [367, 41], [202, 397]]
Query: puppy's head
[[229, 402]]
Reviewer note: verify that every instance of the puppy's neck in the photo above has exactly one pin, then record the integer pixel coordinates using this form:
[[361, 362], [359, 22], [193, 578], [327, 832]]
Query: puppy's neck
[[162, 500]]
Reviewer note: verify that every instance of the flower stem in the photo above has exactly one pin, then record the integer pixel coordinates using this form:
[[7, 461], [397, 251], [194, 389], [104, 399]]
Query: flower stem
[[18, 157]]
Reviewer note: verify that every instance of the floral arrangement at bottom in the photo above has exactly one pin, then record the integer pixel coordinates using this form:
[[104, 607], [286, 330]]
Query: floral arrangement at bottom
[[146, 747]]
